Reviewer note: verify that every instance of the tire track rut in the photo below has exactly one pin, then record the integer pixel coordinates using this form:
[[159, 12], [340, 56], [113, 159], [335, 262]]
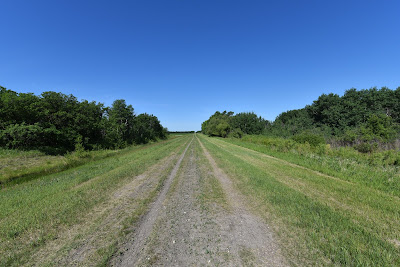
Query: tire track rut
[[247, 230], [133, 249], [181, 230]]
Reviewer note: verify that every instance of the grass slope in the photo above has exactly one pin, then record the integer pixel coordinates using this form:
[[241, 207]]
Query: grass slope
[[343, 163], [18, 166]]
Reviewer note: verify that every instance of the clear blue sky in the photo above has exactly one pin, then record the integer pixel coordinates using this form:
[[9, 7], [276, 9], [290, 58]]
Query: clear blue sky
[[183, 60]]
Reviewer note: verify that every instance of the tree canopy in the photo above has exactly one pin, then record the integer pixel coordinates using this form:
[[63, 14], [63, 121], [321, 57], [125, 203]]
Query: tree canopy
[[225, 123], [357, 117], [332, 115], [55, 122]]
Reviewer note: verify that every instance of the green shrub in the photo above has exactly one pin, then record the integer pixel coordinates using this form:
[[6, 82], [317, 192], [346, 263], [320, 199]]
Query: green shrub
[[323, 149], [236, 133], [365, 147], [310, 138], [22, 136]]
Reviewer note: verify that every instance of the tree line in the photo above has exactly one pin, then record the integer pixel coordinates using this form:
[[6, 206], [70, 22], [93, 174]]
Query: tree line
[[225, 124], [361, 118], [57, 123]]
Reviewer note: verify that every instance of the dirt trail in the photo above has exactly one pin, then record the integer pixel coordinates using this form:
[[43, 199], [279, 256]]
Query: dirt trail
[[183, 229], [93, 233], [144, 230], [247, 230]]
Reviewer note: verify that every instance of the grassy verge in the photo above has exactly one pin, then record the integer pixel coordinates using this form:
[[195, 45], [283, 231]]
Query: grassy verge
[[20, 166], [320, 220], [17, 166], [31, 213], [346, 164]]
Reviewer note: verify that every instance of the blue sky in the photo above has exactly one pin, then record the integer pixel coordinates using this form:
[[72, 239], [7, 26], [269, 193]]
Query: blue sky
[[183, 60]]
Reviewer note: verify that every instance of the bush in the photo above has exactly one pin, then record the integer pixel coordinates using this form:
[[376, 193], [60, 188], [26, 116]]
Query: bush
[[236, 133], [310, 138], [366, 147], [22, 136], [323, 149]]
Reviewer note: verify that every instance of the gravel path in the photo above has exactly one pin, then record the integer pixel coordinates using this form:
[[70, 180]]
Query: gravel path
[[134, 249], [247, 230], [185, 228]]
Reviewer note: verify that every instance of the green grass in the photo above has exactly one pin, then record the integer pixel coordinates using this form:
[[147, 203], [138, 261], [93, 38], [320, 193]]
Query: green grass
[[343, 163], [18, 166], [33, 212], [320, 220], [247, 256], [211, 189]]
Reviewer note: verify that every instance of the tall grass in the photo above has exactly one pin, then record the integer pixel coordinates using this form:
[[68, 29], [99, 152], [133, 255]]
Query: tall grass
[[378, 170], [19, 166]]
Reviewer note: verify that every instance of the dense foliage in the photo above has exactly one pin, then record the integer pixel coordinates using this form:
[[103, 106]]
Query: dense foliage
[[225, 123], [334, 115], [56, 123], [365, 119]]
